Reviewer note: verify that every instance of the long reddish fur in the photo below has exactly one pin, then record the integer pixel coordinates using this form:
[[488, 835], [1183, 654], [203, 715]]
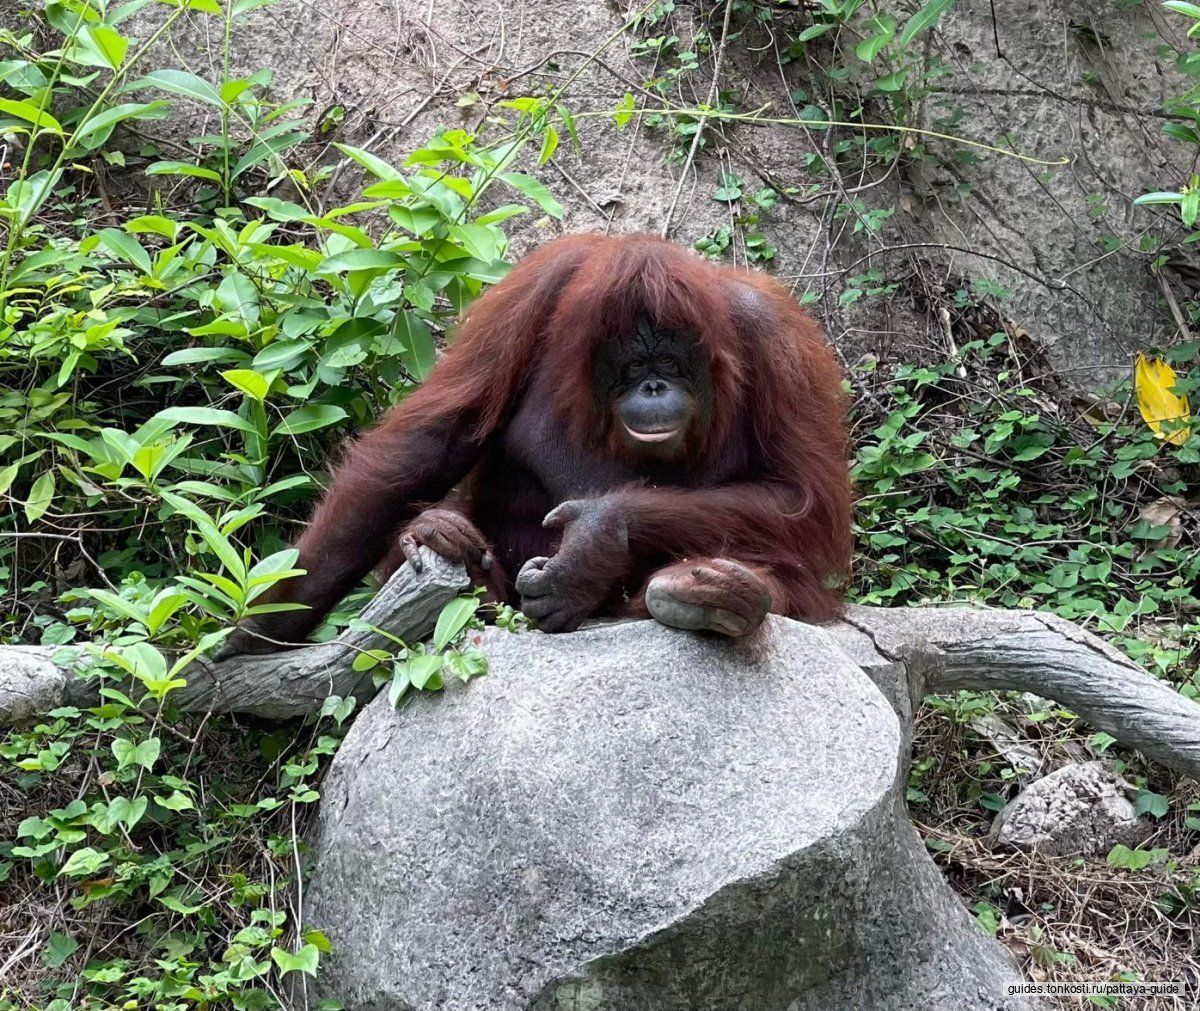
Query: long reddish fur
[[777, 399]]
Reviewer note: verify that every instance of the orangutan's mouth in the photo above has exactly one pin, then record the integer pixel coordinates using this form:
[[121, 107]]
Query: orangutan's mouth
[[637, 436]]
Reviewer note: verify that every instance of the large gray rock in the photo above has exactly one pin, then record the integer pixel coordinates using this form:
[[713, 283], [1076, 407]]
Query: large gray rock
[[631, 818], [1081, 809]]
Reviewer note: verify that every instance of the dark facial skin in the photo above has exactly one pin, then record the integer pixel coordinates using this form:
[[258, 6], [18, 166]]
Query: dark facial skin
[[655, 386]]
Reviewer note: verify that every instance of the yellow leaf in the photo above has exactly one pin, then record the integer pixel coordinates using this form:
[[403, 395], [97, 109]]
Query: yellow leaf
[[1153, 381]]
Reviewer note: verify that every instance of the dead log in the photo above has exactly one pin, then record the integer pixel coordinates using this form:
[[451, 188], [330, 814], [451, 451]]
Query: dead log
[[277, 685]]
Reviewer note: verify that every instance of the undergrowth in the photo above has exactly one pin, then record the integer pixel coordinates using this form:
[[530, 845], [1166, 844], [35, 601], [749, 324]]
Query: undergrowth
[[172, 366]]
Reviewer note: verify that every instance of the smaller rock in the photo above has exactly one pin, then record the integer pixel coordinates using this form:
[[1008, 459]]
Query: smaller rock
[[1082, 809]]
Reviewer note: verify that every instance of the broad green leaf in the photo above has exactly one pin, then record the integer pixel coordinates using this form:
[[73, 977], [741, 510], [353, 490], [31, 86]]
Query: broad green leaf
[[205, 6], [273, 566], [181, 168], [217, 542], [108, 43], [535, 190], [7, 476], [376, 166], [420, 351], [305, 960], [453, 619], [1154, 804], [146, 753], [869, 48], [40, 497], [549, 146], [362, 259], [815, 31], [125, 247], [181, 82], [156, 224], [195, 356], [422, 669], [110, 117], [479, 240], [252, 383], [282, 354], [28, 195], [369, 659], [623, 113], [117, 604], [309, 418], [502, 213], [280, 210], [39, 119], [83, 862], [60, 948], [176, 801], [1159, 197], [924, 19], [206, 416]]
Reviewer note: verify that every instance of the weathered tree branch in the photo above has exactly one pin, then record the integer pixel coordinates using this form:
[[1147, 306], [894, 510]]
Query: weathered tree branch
[[277, 685], [953, 648], [909, 652]]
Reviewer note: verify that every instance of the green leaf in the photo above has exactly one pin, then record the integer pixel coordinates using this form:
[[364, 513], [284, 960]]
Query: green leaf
[[1179, 7], [623, 113], [1154, 804], [535, 190], [220, 546], [422, 669], [305, 960], [144, 754], [175, 802], [549, 145], [83, 862], [1134, 860], [923, 20], [181, 82], [205, 416], [30, 113], [125, 247], [1159, 197], [8, 475], [110, 117], [309, 418], [40, 497], [108, 43], [453, 619], [181, 168], [155, 224], [116, 603], [194, 356], [362, 259], [376, 166], [253, 384], [868, 49], [480, 241], [1189, 207], [369, 659], [815, 31], [319, 940], [280, 210], [205, 6], [60, 948], [420, 351]]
